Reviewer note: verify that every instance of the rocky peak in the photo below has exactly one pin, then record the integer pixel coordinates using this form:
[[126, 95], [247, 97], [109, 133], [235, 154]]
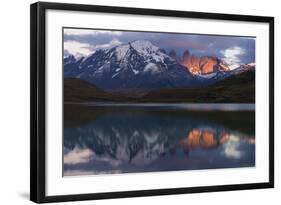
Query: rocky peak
[[174, 56], [202, 65], [69, 59]]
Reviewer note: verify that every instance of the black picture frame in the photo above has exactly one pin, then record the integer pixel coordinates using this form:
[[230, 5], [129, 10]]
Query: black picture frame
[[38, 100]]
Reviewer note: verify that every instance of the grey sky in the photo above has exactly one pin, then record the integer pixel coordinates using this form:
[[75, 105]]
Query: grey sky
[[231, 49]]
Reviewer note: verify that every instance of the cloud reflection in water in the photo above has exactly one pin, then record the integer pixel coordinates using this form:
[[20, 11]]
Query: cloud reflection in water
[[126, 140]]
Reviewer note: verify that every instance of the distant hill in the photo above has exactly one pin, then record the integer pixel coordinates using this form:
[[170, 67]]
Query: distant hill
[[236, 88], [76, 90]]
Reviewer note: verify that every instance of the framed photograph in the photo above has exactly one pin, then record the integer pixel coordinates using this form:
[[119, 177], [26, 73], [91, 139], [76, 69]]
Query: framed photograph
[[129, 102]]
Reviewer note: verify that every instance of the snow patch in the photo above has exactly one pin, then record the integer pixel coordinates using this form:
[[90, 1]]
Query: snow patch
[[144, 47], [113, 76], [251, 64], [158, 57], [148, 50], [151, 67], [121, 51], [135, 71], [234, 66], [209, 75]]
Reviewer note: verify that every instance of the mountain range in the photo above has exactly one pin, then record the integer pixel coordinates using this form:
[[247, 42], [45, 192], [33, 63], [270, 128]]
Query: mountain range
[[140, 64]]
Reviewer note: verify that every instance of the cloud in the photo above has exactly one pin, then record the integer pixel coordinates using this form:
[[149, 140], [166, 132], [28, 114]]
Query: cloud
[[81, 32], [232, 148], [77, 156], [111, 44], [232, 55], [77, 49], [233, 50], [183, 43], [79, 172]]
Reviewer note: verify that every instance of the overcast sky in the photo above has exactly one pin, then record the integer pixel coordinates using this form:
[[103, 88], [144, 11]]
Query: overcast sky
[[233, 50]]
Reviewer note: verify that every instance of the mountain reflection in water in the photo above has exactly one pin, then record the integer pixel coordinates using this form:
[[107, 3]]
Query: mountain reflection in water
[[101, 140]]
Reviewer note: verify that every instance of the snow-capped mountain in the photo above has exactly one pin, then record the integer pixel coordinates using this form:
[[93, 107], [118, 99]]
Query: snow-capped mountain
[[138, 64], [243, 67], [219, 75]]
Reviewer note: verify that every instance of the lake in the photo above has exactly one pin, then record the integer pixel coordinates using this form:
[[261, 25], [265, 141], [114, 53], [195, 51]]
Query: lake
[[111, 138]]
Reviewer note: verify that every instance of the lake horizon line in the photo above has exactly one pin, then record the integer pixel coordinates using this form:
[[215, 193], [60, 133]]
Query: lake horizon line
[[186, 106]]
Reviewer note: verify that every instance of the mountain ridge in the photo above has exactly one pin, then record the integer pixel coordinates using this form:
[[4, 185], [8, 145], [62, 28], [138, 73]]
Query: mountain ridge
[[142, 65], [139, 64]]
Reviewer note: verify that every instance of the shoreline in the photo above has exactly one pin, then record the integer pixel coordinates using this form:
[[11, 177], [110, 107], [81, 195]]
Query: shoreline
[[187, 106]]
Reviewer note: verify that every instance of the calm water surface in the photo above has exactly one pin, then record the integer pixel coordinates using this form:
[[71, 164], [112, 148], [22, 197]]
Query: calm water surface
[[101, 139]]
